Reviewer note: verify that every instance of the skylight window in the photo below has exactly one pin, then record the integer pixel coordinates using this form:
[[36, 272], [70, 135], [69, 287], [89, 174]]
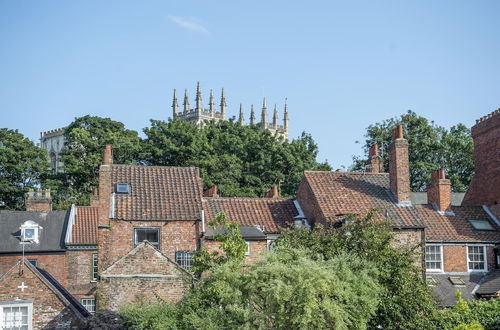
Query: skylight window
[[122, 188], [481, 224], [456, 281]]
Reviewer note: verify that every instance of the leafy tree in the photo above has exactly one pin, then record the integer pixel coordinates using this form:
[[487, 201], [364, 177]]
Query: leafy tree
[[431, 147], [405, 300], [85, 141], [286, 290], [232, 245], [241, 160], [22, 166]]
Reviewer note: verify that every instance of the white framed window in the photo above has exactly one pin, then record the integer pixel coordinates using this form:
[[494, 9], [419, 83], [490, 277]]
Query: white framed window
[[89, 304], [184, 258], [16, 315], [152, 235], [247, 252], [434, 258], [94, 267], [29, 232], [476, 258]]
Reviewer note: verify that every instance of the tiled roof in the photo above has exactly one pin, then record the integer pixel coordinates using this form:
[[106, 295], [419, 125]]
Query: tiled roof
[[85, 227], [445, 291], [271, 214], [157, 192], [490, 285], [457, 228], [341, 193]]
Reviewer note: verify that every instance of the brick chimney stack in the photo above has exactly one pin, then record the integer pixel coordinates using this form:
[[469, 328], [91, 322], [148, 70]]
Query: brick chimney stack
[[374, 163], [39, 200], [399, 168], [439, 191], [211, 192], [273, 192], [107, 156]]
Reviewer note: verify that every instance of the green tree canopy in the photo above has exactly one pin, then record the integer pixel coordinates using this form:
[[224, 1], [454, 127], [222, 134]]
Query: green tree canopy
[[82, 156], [241, 160], [431, 147], [405, 300], [22, 166]]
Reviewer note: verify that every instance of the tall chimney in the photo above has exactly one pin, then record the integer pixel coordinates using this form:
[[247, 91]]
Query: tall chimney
[[399, 169], [439, 191], [273, 192], [107, 156], [374, 163], [211, 192], [39, 200]]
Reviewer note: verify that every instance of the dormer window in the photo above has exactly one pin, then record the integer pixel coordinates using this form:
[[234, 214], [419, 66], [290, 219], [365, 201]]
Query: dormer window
[[122, 188], [30, 231]]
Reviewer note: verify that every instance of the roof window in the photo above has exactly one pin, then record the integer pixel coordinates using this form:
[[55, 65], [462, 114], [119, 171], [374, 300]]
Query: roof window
[[456, 281], [122, 188], [481, 224], [29, 232]]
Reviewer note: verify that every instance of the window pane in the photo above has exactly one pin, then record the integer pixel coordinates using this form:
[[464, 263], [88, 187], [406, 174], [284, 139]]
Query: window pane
[[433, 257], [152, 235]]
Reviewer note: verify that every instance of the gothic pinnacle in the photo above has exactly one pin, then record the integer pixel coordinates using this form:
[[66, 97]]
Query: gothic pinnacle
[[212, 103], [275, 116], [199, 104], [252, 115], [285, 116], [240, 119], [223, 105], [186, 101], [264, 114], [175, 105]]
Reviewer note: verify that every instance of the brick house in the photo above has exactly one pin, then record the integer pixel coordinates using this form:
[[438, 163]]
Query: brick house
[[30, 298], [65, 245]]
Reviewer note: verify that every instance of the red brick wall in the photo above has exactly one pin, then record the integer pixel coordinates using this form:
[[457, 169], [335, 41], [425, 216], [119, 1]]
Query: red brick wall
[[399, 170], [48, 311], [54, 263], [257, 249], [174, 236], [484, 188], [308, 203], [80, 282]]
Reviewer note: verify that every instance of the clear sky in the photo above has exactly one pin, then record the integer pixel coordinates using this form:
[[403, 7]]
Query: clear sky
[[342, 64]]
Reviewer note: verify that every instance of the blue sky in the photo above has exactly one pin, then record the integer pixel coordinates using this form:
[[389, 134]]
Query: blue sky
[[342, 65]]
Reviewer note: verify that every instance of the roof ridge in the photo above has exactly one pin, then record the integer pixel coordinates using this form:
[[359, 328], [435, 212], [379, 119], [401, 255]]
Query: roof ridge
[[153, 166], [249, 198]]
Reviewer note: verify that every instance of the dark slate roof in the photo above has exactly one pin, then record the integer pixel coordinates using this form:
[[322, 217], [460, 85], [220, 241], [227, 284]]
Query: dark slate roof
[[445, 291], [270, 214], [490, 285], [341, 193], [419, 198], [51, 237], [157, 192], [251, 233], [457, 228], [85, 227]]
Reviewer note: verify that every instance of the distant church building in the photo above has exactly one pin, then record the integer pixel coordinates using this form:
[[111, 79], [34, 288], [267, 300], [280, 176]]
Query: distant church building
[[53, 142], [199, 114]]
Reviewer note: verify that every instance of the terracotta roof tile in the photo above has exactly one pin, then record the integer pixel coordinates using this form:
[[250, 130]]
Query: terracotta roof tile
[[271, 214], [85, 227], [157, 192], [341, 193], [457, 228]]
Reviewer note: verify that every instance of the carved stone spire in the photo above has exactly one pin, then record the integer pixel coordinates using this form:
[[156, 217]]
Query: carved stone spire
[[212, 104], [263, 120], [199, 103], [175, 105], [240, 118], [223, 105], [275, 117], [252, 116], [285, 117], [186, 101]]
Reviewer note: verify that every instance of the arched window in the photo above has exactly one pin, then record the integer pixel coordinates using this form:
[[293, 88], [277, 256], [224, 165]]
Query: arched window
[[53, 161]]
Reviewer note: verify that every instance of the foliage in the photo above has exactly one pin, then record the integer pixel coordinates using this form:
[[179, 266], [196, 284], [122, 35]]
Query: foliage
[[286, 290], [485, 313], [431, 147], [241, 160], [150, 316], [22, 166], [232, 245], [84, 145], [406, 301]]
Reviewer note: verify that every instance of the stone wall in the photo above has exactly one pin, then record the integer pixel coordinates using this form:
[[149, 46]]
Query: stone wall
[[80, 282], [308, 203]]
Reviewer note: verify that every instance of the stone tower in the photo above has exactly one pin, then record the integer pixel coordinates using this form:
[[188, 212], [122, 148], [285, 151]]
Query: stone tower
[[198, 115]]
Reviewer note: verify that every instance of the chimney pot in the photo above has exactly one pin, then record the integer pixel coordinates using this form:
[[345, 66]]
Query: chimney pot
[[399, 168]]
